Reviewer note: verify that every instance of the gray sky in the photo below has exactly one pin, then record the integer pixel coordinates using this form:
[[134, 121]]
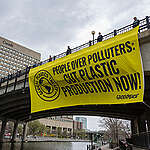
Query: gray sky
[[49, 26]]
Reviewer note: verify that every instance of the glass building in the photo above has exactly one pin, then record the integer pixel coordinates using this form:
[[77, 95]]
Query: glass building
[[83, 120]]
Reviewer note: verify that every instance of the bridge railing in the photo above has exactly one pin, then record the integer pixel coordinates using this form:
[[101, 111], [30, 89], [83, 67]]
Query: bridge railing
[[20, 78], [15, 82]]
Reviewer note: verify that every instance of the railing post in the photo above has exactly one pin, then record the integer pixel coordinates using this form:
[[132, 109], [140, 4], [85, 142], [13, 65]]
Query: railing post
[[25, 78], [15, 82], [115, 32], [90, 43], [7, 83], [147, 22], [54, 57]]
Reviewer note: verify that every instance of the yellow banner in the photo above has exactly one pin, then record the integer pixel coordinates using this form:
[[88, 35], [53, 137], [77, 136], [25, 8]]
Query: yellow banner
[[109, 72]]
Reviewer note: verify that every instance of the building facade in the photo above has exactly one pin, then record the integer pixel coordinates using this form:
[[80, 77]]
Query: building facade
[[77, 125], [15, 57], [59, 124], [83, 120]]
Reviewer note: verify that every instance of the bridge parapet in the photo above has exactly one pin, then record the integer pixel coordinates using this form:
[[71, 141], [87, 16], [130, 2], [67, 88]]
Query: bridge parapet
[[19, 80], [16, 82]]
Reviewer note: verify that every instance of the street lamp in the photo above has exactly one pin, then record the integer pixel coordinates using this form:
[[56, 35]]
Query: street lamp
[[93, 32]]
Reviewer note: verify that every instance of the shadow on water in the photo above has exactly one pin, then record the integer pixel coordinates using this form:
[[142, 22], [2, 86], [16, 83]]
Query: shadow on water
[[21, 148], [11, 146], [15, 147], [1, 145]]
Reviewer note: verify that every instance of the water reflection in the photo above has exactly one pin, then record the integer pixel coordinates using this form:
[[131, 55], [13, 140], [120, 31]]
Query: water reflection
[[45, 146], [1, 145], [21, 147]]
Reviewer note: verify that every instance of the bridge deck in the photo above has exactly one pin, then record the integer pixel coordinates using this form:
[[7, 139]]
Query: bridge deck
[[15, 95]]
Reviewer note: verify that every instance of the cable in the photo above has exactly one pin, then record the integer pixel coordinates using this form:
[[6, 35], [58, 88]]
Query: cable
[[146, 104]]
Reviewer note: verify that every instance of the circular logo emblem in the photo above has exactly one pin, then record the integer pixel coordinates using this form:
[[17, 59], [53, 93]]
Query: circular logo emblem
[[45, 86]]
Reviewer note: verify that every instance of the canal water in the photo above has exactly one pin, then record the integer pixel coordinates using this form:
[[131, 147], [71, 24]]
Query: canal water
[[45, 146]]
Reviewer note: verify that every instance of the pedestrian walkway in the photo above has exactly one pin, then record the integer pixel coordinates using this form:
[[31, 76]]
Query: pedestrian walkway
[[105, 147], [136, 148]]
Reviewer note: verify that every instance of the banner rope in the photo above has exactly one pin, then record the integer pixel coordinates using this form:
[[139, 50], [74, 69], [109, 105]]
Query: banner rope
[[146, 104]]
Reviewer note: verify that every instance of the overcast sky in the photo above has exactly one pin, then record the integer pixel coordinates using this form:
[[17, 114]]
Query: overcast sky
[[49, 26]]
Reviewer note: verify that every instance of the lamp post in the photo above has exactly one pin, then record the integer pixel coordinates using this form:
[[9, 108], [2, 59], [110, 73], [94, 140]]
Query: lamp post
[[93, 32]]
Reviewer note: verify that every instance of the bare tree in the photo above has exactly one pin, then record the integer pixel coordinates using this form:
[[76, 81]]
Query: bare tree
[[115, 129]]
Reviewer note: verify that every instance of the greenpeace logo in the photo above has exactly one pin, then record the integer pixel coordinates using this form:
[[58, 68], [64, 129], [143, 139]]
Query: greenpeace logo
[[46, 87], [127, 96]]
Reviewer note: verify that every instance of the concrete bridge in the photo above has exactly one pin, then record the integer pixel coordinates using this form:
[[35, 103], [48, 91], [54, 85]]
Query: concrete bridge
[[15, 96]]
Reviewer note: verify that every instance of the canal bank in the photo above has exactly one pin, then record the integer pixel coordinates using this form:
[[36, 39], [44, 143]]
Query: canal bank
[[50, 139], [46, 139]]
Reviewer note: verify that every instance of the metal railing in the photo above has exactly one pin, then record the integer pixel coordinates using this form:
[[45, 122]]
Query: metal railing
[[21, 76]]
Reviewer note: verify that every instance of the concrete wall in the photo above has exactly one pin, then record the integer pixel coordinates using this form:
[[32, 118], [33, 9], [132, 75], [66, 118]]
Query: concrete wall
[[144, 39], [145, 53], [57, 123]]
